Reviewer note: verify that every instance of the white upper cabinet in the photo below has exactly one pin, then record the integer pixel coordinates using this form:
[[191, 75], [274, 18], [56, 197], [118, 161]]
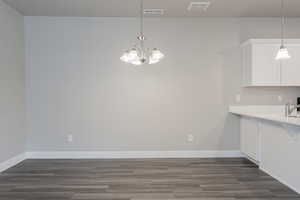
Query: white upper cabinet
[[266, 70], [290, 72], [260, 67]]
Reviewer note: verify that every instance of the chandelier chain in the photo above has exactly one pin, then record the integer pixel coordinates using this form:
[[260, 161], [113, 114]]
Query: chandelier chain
[[142, 18], [282, 22]]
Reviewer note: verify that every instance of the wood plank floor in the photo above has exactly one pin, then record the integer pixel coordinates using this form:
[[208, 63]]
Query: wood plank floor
[[147, 179]]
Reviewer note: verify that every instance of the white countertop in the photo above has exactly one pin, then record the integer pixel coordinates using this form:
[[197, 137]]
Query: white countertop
[[270, 113]]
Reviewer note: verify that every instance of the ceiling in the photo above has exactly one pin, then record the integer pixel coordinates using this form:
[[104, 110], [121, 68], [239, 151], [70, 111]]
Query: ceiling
[[173, 8]]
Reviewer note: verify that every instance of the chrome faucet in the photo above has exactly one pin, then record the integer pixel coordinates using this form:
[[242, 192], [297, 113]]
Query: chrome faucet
[[290, 108]]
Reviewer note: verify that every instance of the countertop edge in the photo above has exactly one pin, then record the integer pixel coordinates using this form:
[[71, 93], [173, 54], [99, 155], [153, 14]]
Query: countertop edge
[[267, 116]]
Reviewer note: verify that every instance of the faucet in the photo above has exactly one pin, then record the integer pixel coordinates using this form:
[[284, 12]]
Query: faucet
[[290, 108]]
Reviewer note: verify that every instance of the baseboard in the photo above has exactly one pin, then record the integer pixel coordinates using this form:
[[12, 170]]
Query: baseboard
[[116, 155], [281, 180], [12, 162], [131, 154], [251, 159]]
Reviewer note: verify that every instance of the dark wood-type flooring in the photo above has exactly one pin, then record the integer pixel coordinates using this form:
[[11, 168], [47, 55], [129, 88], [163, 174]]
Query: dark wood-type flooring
[[147, 179]]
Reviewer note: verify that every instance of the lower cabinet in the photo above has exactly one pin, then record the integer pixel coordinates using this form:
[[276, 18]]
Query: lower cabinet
[[275, 147], [250, 138], [280, 149]]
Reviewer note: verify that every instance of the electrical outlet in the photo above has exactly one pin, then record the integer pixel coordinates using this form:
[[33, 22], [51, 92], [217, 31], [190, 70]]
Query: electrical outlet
[[238, 98], [279, 98], [70, 138], [190, 138]]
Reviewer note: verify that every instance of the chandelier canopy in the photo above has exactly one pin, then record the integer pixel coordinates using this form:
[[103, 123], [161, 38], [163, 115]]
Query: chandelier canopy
[[139, 54]]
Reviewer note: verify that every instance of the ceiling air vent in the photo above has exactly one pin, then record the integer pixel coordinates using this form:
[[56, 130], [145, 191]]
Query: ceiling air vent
[[199, 5], [153, 11]]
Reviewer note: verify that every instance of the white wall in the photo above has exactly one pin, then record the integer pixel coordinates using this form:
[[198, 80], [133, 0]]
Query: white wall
[[12, 83], [77, 85]]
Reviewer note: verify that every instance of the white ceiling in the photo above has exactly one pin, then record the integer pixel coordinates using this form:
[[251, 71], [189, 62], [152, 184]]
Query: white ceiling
[[173, 8]]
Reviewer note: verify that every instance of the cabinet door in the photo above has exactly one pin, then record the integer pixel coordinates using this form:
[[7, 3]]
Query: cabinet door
[[265, 69], [291, 68], [250, 138], [280, 147]]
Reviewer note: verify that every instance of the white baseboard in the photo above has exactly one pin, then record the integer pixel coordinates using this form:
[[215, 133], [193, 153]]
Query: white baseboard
[[115, 155], [251, 159], [12, 162], [281, 180], [131, 154]]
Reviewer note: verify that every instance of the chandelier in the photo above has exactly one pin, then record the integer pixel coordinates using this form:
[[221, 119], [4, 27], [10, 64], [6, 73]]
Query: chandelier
[[139, 54]]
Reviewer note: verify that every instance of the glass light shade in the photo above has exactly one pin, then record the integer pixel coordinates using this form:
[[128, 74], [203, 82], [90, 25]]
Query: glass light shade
[[136, 62], [125, 57], [153, 61], [140, 57], [283, 54], [133, 54], [157, 54], [130, 56]]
